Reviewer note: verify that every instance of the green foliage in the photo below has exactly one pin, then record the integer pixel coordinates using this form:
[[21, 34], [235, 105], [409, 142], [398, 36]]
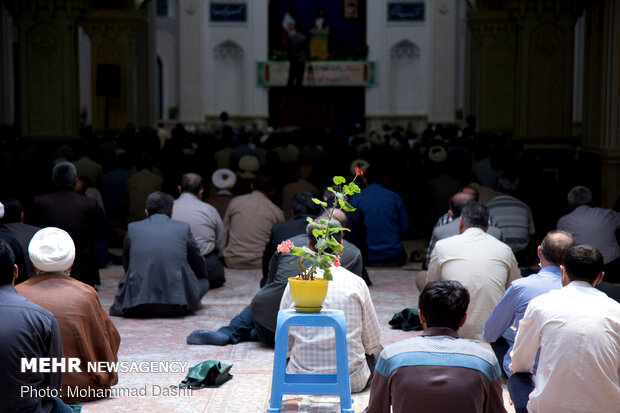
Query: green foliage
[[325, 231]]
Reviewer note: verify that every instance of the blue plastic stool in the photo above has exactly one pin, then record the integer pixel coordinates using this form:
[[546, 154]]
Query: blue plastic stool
[[336, 384]]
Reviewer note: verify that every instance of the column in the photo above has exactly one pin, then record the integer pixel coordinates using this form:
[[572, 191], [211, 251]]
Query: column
[[191, 60], [544, 87], [493, 58], [601, 92], [443, 72], [7, 97], [48, 82], [123, 39]]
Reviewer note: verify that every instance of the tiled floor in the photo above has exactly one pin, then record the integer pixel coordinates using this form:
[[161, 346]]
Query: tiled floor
[[248, 391]]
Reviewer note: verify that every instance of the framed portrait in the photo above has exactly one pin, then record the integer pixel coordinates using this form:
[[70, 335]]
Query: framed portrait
[[351, 9]]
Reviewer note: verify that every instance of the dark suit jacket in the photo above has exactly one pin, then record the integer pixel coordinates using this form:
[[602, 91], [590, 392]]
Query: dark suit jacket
[[76, 214], [162, 265], [266, 302]]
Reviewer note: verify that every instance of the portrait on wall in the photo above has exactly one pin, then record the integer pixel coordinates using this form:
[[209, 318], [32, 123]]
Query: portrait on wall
[[350, 9]]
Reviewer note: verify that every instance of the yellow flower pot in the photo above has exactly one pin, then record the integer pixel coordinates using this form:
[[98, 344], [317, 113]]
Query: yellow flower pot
[[308, 295]]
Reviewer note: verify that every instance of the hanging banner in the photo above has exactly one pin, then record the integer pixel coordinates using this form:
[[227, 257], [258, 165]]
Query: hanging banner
[[319, 73]]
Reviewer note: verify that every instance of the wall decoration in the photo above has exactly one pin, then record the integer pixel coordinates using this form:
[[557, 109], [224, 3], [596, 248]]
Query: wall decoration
[[405, 12]]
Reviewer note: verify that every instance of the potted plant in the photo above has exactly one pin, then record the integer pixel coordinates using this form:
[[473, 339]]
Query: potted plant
[[309, 288]]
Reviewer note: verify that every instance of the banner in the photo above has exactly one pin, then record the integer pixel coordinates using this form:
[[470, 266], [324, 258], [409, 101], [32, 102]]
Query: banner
[[319, 73]]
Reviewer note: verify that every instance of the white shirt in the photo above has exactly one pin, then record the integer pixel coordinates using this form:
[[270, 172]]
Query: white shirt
[[484, 265], [578, 331], [204, 221], [313, 349]]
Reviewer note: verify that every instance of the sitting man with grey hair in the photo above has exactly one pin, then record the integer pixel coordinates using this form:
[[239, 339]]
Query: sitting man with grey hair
[[86, 330], [165, 273], [74, 213], [594, 226]]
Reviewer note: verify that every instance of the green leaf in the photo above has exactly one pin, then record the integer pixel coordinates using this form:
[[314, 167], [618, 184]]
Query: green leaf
[[352, 189], [319, 202], [321, 244], [347, 207], [339, 180], [328, 275], [318, 232], [309, 220]]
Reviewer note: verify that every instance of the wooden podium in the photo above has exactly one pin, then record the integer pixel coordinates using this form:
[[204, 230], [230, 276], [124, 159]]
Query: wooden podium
[[319, 43]]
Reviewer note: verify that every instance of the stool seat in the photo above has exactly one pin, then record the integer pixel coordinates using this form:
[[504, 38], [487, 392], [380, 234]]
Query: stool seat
[[332, 384]]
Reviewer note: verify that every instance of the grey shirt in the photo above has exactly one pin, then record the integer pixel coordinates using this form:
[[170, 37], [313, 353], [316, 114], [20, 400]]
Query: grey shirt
[[596, 227], [204, 221]]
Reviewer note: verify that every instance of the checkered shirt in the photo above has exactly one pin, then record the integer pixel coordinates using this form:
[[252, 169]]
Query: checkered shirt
[[312, 349]]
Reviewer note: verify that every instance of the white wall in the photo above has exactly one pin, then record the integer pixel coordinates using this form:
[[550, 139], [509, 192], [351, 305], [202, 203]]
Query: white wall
[[386, 97]]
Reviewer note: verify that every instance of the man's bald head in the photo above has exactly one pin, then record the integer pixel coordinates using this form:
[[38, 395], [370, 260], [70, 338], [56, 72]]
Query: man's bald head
[[191, 182], [458, 201], [554, 246]]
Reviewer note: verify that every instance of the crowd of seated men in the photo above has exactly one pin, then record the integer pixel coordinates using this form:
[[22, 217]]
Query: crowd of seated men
[[175, 253]]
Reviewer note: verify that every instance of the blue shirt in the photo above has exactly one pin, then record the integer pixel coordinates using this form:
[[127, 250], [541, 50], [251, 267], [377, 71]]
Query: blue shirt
[[386, 221], [512, 306], [28, 331]]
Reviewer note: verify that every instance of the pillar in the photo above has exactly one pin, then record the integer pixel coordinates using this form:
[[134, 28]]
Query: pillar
[[601, 92], [7, 94], [191, 60], [443, 71], [48, 61], [123, 38]]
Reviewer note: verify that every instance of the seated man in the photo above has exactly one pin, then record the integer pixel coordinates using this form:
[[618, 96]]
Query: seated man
[[594, 226], [311, 349], [248, 220], [26, 331], [386, 221], [85, 328], [514, 218], [205, 223], [574, 334], [509, 311], [165, 274], [484, 265], [437, 371], [13, 224], [257, 322], [302, 207]]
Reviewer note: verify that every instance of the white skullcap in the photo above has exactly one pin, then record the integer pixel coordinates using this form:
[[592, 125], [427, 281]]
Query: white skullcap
[[51, 250], [224, 178], [437, 153], [1, 210]]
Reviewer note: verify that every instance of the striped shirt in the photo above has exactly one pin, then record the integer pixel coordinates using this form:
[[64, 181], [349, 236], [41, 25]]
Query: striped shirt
[[515, 220], [312, 349], [436, 372]]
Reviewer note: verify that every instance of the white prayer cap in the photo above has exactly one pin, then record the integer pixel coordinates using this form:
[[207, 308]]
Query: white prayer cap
[[51, 250], [437, 153], [1, 210], [224, 178]]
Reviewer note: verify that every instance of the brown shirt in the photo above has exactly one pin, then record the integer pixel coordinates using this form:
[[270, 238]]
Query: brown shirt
[[85, 328]]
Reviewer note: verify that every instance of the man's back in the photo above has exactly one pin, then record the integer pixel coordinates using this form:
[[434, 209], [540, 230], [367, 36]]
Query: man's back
[[249, 219], [436, 372], [204, 221], [386, 221], [76, 214], [596, 227], [85, 328], [312, 348], [578, 329], [139, 186], [27, 331], [23, 233], [484, 265], [163, 272], [514, 218]]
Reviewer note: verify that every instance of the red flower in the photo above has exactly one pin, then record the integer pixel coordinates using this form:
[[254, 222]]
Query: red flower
[[358, 171], [336, 261], [285, 246]]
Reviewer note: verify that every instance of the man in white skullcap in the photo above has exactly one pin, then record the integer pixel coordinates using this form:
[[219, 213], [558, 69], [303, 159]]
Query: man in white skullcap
[[86, 330], [224, 180]]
